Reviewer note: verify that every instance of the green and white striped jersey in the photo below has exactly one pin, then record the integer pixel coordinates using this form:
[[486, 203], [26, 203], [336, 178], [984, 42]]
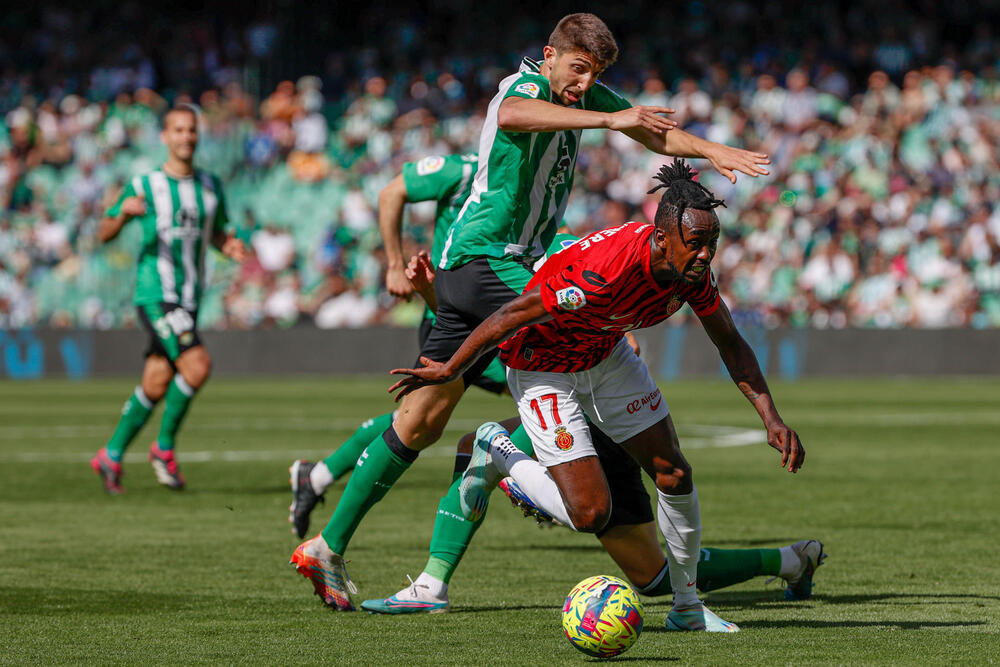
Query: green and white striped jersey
[[181, 216], [523, 180], [446, 179]]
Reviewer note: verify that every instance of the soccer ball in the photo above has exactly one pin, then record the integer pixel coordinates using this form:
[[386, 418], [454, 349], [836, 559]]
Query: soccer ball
[[602, 616]]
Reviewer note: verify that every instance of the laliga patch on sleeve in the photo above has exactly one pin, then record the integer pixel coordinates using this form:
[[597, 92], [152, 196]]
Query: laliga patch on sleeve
[[528, 88], [429, 165], [570, 298]]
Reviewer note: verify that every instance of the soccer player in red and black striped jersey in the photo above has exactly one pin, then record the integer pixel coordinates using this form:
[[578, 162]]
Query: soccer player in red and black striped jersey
[[563, 346]]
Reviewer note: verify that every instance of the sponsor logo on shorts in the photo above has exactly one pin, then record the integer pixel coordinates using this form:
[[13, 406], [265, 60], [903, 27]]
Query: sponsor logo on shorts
[[430, 165], [570, 298], [528, 88], [653, 400], [564, 439]]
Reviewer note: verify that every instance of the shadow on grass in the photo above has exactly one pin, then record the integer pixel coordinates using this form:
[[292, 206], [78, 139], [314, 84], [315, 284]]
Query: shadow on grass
[[61, 600], [605, 661], [749, 600], [902, 625]]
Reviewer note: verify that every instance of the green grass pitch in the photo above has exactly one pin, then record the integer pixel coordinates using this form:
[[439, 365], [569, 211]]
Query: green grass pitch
[[900, 483]]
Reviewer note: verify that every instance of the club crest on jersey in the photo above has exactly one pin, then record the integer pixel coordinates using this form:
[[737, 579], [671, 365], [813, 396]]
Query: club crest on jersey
[[570, 298], [674, 305], [430, 165], [186, 217], [564, 439], [528, 88]]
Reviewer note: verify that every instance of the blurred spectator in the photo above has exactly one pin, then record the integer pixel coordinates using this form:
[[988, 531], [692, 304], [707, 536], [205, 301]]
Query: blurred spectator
[[881, 209]]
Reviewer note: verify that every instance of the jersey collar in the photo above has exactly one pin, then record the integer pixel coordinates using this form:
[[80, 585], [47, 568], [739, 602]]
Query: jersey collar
[[530, 65]]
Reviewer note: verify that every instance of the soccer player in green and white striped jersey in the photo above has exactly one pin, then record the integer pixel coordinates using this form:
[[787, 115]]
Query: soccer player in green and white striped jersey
[[527, 155], [182, 211], [447, 180]]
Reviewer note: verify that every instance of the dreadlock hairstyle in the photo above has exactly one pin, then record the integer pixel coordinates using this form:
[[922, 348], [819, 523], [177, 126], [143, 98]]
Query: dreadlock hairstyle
[[682, 192]]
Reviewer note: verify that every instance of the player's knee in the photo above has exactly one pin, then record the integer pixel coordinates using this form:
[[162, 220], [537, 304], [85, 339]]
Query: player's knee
[[466, 443], [593, 517], [675, 479]]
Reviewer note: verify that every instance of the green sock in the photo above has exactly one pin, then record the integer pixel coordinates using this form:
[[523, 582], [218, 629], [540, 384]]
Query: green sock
[[718, 568], [452, 531], [179, 395], [135, 412], [377, 470], [344, 459], [452, 535]]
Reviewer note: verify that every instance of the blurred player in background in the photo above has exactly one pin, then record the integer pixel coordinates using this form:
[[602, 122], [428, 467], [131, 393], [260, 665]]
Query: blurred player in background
[[527, 156], [182, 210], [448, 181]]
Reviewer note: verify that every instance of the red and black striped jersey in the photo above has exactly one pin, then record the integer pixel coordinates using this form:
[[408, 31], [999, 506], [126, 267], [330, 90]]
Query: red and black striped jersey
[[596, 290]]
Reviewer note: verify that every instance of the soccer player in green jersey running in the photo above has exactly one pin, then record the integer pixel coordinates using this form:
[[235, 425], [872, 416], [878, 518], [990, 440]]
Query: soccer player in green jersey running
[[527, 155], [182, 211], [446, 180]]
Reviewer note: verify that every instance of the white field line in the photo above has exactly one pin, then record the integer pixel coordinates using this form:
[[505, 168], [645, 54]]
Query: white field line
[[694, 436]]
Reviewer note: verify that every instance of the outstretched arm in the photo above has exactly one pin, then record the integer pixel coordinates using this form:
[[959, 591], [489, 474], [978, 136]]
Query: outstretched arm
[[726, 159], [391, 202], [519, 114], [745, 371], [522, 311]]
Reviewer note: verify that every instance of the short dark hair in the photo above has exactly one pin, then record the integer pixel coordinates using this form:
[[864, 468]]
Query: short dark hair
[[682, 192], [184, 107], [585, 32]]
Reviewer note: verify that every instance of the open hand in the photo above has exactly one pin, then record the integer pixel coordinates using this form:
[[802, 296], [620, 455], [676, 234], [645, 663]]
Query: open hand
[[728, 160], [420, 273], [433, 372], [786, 441], [642, 116]]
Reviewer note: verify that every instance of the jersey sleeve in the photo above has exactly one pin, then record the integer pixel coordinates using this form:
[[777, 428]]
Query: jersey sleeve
[[432, 178], [531, 86], [567, 287], [602, 98], [704, 296], [127, 191], [221, 212]]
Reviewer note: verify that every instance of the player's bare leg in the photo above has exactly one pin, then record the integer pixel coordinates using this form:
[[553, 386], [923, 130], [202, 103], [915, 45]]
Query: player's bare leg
[[658, 451]]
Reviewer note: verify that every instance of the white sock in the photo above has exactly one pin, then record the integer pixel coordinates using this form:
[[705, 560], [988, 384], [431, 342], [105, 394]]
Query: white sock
[[533, 478], [318, 548], [320, 478], [435, 587], [680, 522], [791, 564]]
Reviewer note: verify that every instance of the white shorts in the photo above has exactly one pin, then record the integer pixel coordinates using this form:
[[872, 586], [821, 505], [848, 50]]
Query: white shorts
[[618, 395]]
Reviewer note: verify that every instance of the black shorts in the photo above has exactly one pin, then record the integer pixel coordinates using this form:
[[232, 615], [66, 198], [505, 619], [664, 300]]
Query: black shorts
[[172, 330], [466, 296], [629, 500], [493, 379]]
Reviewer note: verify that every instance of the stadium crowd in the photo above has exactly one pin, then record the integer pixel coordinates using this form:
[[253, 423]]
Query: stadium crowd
[[881, 210]]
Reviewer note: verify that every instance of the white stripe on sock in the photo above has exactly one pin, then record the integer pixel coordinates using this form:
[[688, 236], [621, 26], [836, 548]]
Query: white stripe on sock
[[140, 396], [183, 385]]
